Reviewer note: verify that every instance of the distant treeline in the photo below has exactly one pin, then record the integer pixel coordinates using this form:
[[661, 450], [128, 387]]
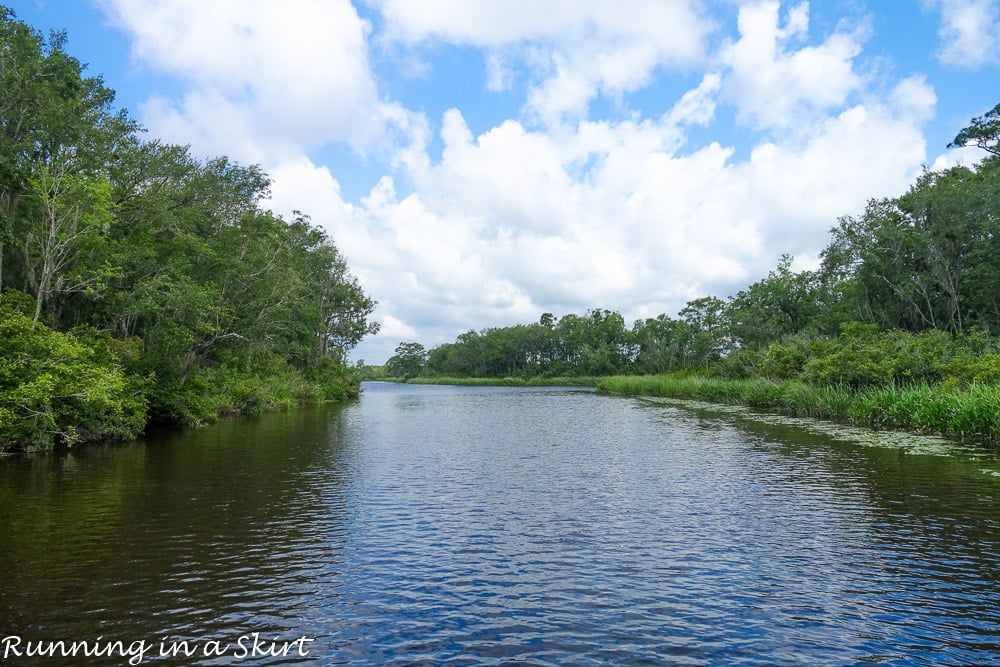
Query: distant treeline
[[907, 291], [139, 283]]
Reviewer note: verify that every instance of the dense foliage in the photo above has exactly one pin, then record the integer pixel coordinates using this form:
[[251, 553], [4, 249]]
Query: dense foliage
[[139, 282], [906, 294]]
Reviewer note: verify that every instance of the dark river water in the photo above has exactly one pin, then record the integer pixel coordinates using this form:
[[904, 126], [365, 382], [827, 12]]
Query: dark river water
[[489, 526]]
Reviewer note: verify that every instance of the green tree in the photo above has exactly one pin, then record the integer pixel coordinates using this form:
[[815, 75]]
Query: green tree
[[983, 132], [707, 334], [407, 362], [221, 304], [58, 388], [211, 280], [982, 258], [783, 303], [661, 344], [48, 110], [74, 214], [922, 260]]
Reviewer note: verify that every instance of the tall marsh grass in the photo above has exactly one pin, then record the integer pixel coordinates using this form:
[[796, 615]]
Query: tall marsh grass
[[968, 414], [972, 413]]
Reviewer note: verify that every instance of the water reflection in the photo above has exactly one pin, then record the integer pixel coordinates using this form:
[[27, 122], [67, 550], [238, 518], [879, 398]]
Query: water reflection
[[445, 525], [182, 536]]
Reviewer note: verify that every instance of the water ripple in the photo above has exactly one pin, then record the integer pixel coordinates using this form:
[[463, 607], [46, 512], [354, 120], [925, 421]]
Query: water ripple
[[494, 526]]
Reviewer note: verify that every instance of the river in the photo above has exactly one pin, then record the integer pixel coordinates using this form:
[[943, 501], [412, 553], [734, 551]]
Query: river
[[487, 526]]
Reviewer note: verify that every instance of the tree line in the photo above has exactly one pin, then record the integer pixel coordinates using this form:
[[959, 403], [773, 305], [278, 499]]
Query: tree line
[[139, 282], [906, 291]]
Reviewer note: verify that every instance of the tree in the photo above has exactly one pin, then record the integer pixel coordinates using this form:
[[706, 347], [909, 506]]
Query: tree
[[926, 259], [55, 387], [222, 305], [781, 304], [982, 267], [607, 347], [407, 362], [48, 110], [983, 132], [74, 213], [661, 344], [707, 334]]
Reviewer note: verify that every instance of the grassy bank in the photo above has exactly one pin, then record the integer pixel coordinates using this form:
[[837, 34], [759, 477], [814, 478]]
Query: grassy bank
[[510, 381], [967, 414]]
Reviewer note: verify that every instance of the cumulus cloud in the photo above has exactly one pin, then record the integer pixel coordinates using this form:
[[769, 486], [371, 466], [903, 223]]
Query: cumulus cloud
[[577, 49], [969, 32], [263, 80], [506, 225], [471, 229], [776, 85]]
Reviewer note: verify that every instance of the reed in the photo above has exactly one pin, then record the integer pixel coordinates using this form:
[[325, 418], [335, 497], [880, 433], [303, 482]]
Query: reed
[[968, 414], [972, 413]]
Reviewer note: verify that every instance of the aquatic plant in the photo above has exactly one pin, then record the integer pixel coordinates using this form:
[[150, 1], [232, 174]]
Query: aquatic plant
[[971, 413]]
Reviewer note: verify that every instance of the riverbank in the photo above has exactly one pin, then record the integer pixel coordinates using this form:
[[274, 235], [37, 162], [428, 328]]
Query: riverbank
[[60, 389], [972, 413]]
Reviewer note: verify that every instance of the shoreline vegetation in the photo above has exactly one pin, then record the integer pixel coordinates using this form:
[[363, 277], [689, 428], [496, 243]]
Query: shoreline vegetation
[[140, 284], [970, 414]]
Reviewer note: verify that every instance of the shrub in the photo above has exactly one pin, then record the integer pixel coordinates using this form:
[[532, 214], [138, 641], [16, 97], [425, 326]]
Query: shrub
[[60, 388]]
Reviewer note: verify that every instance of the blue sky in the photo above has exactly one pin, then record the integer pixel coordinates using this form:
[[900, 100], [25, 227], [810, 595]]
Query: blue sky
[[482, 162]]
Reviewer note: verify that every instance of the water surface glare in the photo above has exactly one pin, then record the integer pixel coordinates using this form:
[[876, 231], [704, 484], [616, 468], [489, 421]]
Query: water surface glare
[[488, 526]]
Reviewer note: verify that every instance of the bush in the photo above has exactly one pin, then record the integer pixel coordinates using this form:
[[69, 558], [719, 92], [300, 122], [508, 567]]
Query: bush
[[862, 356], [783, 362], [57, 388], [242, 388], [859, 357], [743, 363]]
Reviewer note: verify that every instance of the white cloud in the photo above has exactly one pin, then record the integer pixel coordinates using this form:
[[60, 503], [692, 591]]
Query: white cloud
[[395, 331], [569, 214], [499, 76], [507, 225], [913, 98], [263, 79], [696, 107], [970, 32], [576, 49], [775, 85]]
